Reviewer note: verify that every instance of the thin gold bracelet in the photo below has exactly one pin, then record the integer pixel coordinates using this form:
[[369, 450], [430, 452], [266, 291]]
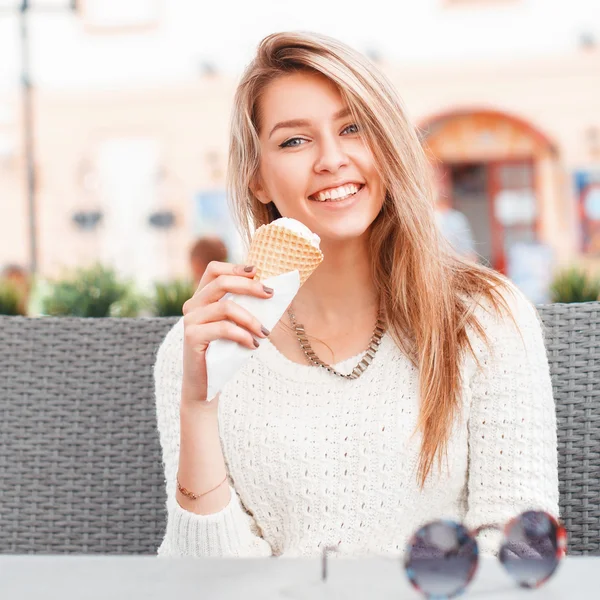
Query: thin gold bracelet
[[193, 496]]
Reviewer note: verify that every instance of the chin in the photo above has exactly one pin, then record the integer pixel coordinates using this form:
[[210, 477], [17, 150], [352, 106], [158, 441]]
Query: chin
[[343, 234], [354, 222]]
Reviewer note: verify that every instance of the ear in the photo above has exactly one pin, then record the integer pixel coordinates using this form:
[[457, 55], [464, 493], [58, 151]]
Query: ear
[[258, 190]]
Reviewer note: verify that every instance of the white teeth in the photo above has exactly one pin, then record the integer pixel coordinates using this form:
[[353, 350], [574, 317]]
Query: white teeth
[[338, 193]]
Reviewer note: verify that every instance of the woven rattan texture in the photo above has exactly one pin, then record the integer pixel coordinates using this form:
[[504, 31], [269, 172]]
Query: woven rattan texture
[[573, 345], [80, 462]]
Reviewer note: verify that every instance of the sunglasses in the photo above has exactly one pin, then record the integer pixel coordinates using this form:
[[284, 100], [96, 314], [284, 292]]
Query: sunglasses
[[441, 558]]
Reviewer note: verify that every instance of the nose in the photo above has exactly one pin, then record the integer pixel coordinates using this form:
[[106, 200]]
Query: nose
[[331, 155]]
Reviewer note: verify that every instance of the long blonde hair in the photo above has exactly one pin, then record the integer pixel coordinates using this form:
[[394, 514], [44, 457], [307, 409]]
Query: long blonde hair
[[424, 285]]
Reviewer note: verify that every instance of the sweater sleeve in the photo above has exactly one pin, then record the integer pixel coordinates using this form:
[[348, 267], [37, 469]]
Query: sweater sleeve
[[227, 533], [513, 460]]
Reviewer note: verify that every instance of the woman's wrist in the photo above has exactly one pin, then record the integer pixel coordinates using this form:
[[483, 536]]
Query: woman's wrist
[[191, 403], [194, 495], [198, 418]]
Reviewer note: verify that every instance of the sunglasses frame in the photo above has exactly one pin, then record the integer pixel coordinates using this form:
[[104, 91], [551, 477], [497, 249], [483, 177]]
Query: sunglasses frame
[[561, 547]]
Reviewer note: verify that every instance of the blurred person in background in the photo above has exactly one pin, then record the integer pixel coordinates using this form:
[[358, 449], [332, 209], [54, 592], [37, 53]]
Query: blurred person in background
[[205, 250], [453, 224]]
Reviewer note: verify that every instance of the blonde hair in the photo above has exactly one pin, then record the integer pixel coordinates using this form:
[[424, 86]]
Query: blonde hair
[[428, 292]]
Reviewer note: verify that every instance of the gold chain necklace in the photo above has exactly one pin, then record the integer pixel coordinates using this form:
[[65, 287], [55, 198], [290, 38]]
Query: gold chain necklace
[[365, 361]]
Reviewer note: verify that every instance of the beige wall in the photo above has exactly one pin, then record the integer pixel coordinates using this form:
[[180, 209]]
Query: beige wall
[[560, 96]]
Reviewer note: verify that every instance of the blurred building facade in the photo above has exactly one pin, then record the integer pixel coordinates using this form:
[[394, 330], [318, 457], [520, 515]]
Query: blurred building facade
[[129, 178], [131, 174]]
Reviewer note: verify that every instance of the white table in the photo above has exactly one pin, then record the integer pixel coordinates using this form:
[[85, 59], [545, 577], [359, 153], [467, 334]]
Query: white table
[[80, 577]]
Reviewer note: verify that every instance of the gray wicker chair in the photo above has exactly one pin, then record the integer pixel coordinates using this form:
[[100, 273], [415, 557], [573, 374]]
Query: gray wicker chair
[[80, 460]]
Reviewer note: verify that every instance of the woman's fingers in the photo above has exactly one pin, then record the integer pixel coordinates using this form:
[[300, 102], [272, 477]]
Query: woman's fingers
[[199, 336], [228, 310], [208, 317], [220, 278], [233, 284], [215, 269]]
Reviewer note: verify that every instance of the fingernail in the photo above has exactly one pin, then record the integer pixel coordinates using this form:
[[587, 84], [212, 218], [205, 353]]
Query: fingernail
[[268, 290], [265, 331], [256, 344], [248, 269]]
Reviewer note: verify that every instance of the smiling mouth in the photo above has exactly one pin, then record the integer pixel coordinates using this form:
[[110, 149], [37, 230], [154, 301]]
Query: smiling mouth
[[338, 199]]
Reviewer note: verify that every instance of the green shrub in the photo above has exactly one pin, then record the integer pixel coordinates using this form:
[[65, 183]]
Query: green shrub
[[575, 285], [10, 299], [132, 304], [92, 292], [169, 297]]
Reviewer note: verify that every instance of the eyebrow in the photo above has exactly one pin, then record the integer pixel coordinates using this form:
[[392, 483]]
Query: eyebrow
[[344, 112]]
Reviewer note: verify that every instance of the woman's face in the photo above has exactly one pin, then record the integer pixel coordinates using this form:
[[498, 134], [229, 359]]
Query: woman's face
[[309, 144]]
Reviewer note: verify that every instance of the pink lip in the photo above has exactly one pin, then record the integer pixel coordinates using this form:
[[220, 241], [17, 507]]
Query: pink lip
[[348, 202]]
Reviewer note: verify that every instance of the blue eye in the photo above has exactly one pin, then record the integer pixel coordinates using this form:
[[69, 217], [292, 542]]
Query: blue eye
[[288, 143]]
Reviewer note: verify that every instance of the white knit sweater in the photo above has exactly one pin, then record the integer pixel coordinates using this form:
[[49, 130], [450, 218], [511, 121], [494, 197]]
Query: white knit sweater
[[317, 460]]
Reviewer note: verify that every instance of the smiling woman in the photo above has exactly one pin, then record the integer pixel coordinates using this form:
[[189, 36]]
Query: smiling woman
[[459, 370]]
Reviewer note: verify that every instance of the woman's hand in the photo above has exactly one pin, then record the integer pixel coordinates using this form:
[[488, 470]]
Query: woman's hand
[[207, 318]]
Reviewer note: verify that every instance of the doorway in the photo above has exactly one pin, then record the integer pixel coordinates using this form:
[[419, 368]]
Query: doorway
[[499, 200], [498, 164]]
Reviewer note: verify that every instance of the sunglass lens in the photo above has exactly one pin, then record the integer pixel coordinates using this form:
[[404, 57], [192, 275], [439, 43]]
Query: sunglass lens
[[530, 549], [441, 559]]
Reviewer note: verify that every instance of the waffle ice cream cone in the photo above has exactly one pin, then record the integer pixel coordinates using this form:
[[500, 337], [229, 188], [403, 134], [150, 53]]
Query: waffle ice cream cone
[[282, 246]]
